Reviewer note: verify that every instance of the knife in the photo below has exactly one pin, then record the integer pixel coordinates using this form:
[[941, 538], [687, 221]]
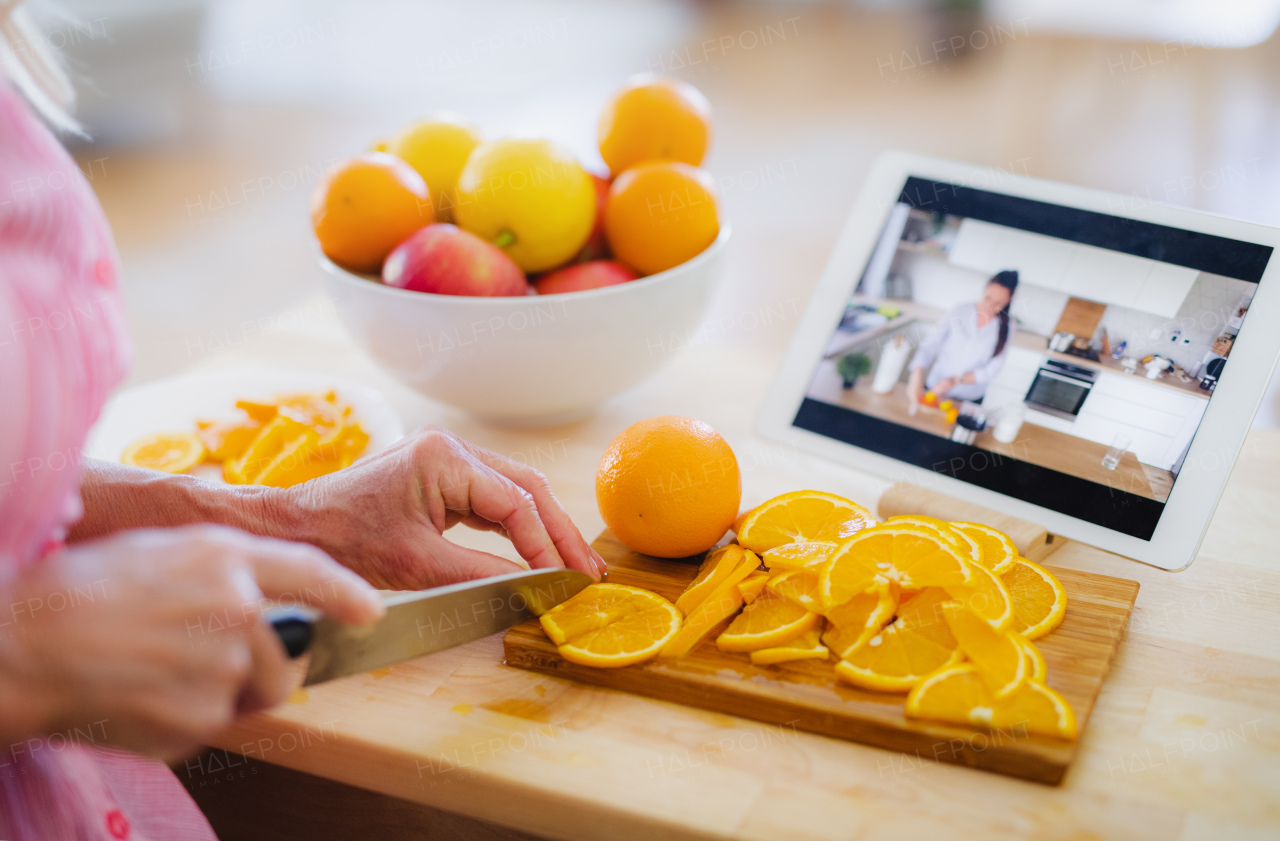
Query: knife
[[424, 621]]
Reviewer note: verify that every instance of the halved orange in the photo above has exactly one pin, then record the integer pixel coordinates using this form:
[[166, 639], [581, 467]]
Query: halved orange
[[914, 645], [611, 625], [860, 618], [1039, 602], [959, 695], [802, 517], [998, 551], [767, 622], [986, 596], [1001, 659], [798, 555], [168, 452], [913, 556], [807, 646]]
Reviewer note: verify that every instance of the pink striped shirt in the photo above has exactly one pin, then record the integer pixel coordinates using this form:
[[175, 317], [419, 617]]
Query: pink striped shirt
[[62, 349]]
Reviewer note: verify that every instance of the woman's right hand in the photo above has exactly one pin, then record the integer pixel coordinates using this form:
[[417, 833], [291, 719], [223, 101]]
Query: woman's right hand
[[154, 638]]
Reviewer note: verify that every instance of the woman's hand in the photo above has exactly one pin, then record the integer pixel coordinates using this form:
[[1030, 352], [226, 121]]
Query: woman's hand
[[385, 516], [154, 638], [944, 386]]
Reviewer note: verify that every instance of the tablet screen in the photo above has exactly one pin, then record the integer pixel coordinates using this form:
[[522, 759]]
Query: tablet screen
[[1060, 356]]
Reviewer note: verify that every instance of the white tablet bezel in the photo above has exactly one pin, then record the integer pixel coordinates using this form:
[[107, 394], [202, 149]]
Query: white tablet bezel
[[1226, 420]]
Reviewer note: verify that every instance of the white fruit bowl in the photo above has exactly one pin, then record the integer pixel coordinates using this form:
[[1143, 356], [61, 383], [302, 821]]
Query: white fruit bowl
[[531, 361]]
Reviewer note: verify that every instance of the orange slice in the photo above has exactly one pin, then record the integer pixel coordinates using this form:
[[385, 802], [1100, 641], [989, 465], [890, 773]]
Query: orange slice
[[986, 596], [960, 696], [860, 618], [1039, 602], [716, 567], [998, 551], [751, 586], [807, 646], [798, 555], [257, 410], [168, 452], [913, 556], [802, 517], [227, 439], [722, 603], [1039, 709], [959, 541], [1001, 659], [800, 587], [611, 625], [1037, 670], [916, 644], [768, 622]]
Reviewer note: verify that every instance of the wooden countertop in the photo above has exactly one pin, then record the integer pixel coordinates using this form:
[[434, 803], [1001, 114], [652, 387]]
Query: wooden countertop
[[1182, 744], [1035, 444], [1039, 344]]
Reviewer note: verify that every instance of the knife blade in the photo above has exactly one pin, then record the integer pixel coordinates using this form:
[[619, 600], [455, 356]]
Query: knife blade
[[425, 621]]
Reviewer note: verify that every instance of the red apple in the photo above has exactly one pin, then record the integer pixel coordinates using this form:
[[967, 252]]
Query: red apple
[[597, 247], [445, 260], [582, 276]]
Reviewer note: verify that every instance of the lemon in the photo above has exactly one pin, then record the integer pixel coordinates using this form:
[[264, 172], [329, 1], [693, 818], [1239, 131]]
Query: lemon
[[530, 198], [437, 148]]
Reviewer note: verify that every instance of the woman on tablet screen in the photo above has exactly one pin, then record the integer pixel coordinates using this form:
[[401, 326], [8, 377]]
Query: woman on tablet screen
[[967, 348]]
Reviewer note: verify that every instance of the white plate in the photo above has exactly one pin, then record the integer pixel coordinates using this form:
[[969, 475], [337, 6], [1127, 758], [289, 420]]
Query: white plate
[[174, 405]]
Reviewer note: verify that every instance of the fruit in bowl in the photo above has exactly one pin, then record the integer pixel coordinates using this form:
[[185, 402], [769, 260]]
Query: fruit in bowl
[[527, 360], [597, 247], [366, 206], [531, 198], [660, 214], [437, 149], [623, 266], [443, 259], [596, 274], [654, 118]]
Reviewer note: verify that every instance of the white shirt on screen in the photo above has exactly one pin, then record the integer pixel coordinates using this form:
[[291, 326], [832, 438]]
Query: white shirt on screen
[[958, 346]]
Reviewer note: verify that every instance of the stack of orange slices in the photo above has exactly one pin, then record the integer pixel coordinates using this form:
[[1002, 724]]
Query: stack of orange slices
[[289, 440], [944, 611]]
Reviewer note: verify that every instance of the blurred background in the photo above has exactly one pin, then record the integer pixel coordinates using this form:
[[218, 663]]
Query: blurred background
[[211, 121]]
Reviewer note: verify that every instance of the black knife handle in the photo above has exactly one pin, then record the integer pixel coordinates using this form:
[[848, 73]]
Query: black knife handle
[[294, 631]]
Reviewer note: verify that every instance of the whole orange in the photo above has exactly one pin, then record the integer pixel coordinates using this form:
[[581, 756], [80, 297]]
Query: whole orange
[[668, 486], [654, 118], [366, 206], [661, 214]]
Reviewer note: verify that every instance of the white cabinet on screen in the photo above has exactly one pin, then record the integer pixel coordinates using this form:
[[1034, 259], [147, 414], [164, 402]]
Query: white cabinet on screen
[[1011, 384], [1084, 271], [1159, 422]]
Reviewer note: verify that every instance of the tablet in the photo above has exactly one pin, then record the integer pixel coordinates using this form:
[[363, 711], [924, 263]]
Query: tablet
[[1084, 360]]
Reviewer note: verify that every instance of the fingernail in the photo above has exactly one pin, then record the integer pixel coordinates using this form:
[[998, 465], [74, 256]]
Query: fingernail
[[600, 564]]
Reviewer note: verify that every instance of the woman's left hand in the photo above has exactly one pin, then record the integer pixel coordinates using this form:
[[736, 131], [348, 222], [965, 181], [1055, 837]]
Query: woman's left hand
[[385, 516], [944, 386]]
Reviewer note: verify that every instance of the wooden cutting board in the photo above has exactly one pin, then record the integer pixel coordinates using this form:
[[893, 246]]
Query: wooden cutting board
[[806, 694], [1081, 318]]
